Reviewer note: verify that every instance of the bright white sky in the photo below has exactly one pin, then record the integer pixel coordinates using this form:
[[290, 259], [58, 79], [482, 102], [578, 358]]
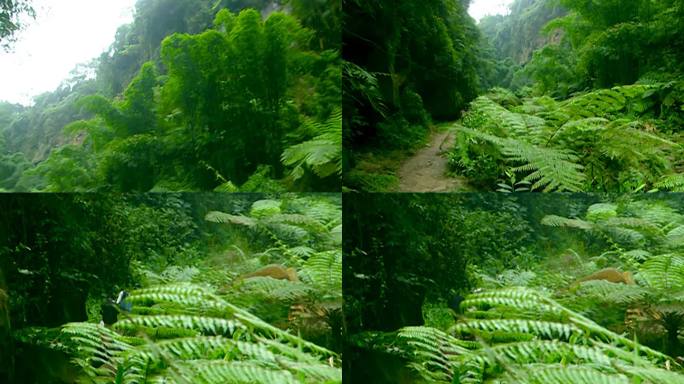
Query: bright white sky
[[64, 34], [480, 8]]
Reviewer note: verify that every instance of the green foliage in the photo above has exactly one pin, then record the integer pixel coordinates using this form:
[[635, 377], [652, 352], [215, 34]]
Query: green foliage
[[644, 237], [628, 227], [513, 346], [530, 310], [321, 155], [139, 42], [283, 226], [422, 66], [322, 16], [35, 131], [411, 252], [674, 183], [552, 71], [546, 168], [230, 344], [67, 169], [615, 42], [607, 139], [518, 34], [182, 103], [227, 107], [11, 169], [196, 316]]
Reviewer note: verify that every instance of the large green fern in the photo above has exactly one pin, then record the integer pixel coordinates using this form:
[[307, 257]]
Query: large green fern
[[548, 169], [600, 140], [519, 335], [209, 341], [630, 226], [674, 183], [305, 220], [323, 154]]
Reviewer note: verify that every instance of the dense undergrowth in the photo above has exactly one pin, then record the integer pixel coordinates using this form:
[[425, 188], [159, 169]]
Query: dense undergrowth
[[197, 315], [623, 139], [573, 289]]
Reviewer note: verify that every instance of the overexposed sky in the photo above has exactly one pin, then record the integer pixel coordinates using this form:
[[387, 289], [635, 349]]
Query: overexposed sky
[[480, 8], [64, 34]]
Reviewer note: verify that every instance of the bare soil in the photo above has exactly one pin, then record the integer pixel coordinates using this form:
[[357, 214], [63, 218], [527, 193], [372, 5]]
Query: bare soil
[[426, 171]]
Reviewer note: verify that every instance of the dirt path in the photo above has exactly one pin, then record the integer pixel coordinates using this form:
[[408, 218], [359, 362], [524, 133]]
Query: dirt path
[[426, 170]]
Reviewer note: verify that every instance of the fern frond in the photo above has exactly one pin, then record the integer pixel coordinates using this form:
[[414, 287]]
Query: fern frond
[[607, 292], [181, 293], [324, 269], [302, 251], [96, 346], [653, 375], [673, 183], [299, 220], [516, 297], [205, 324], [675, 237], [526, 299], [322, 154], [504, 122], [636, 223], [322, 210], [317, 373], [632, 145], [545, 329], [225, 218], [549, 169], [247, 372], [436, 350], [294, 353], [557, 221], [658, 213], [336, 234], [253, 350], [184, 348], [188, 294], [282, 290], [598, 103], [601, 211], [565, 374], [664, 272], [545, 350], [623, 235], [262, 209]]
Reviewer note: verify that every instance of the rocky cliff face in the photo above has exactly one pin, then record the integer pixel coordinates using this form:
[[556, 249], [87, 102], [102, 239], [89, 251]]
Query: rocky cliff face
[[518, 34]]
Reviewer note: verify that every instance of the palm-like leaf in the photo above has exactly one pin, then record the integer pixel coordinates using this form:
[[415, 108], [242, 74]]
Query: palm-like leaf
[[322, 154]]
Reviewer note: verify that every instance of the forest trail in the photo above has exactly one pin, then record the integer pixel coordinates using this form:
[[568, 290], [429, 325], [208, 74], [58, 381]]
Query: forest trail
[[426, 170]]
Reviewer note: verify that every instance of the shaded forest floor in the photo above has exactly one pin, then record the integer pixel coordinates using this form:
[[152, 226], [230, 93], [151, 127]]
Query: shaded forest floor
[[422, 168], [426, 171]]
